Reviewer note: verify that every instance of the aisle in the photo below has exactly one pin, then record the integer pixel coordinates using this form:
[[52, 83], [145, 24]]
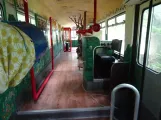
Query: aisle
[[65, 90]]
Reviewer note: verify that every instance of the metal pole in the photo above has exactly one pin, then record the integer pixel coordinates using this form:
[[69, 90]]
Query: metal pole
[[70, 39], [32, 69], [51, 41], [85, 17], [26, 10], [95, 11], [146, 47], [137, 99]]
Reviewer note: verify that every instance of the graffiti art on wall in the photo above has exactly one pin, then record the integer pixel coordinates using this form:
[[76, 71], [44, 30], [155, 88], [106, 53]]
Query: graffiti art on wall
[[41, 22]]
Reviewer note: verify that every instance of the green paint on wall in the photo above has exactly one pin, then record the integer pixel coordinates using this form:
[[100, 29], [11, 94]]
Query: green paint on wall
[[74, 43], [8, 99]]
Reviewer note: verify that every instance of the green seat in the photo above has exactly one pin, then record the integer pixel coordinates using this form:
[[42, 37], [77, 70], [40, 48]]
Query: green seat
[[88, 45]]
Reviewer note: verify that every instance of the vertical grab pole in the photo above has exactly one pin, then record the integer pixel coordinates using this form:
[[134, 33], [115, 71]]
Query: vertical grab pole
[[32, 69], [137, 100], [26, 11], [51, 41], [63, 37], [85, 19], [70, 40], [95, 11]]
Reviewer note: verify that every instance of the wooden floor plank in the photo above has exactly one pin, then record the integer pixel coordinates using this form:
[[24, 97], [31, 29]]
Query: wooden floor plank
[[65, 89], [93, 119]]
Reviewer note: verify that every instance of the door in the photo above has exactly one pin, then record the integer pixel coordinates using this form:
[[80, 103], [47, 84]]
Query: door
[[151, 96]]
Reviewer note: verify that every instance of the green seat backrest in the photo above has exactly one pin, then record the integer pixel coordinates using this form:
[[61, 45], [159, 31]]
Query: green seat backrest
[[88, 45]]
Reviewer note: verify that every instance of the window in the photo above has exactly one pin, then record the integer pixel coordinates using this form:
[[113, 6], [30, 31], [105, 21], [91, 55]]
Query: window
[[116, 29], [21, 17], [153, 60], [111, 22], [120, 19], [74, 35], [103, 24], [54, 36], [1, 13], [103, 30], [47, 34], [32, 21]]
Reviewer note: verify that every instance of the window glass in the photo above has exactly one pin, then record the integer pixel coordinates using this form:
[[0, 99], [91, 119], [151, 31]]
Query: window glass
[[120, 18], [153, 60], [32, 21], [54, 36], [21, 17], [143, 36], [48, 35], [117, 32], [1, 13], [103, 24], [57, 36], [103, 31], [111, 22], [74, 35]]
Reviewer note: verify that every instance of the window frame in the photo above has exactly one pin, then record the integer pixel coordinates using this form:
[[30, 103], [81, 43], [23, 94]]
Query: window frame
[[30, 16], [101, 24], [2, 12], [139, 42], [76, 36], [22, 13], [103, 28], [114, 17]]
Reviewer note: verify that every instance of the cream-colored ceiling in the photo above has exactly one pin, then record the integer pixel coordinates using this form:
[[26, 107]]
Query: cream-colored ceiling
[[60, 10]]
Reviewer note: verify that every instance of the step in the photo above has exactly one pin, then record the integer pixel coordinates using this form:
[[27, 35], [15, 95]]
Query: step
[[99, 113]]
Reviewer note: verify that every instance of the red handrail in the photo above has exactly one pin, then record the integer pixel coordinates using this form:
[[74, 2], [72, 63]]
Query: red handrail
[[32, 69], [36, 93], [51, 41], [95, 11]]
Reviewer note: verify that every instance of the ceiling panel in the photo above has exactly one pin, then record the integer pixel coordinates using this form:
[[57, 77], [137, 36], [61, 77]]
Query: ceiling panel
[[60, 10]]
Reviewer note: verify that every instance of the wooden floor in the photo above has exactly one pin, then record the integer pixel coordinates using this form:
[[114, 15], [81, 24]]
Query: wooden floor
[[65, 89], [93, 119]]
